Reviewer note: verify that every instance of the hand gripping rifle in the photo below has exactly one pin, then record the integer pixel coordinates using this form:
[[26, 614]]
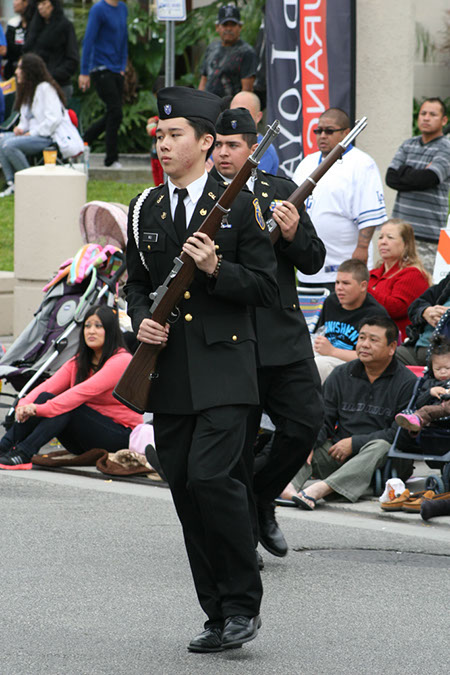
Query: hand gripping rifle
[[134, 386], [304, 190]]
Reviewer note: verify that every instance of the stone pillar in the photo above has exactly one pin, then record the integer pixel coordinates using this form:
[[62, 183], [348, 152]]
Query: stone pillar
[[384, 78], [48, 200]]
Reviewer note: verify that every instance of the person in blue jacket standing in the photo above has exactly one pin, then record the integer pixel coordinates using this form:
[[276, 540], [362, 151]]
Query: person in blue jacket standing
[[103, 62]]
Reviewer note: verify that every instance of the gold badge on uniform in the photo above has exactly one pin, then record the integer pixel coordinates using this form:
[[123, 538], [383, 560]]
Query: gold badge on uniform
[[258, 214], [203, 212], [159, 198], [212, 195], [264, 194], [163, 215], [275, 203], [263, 182]]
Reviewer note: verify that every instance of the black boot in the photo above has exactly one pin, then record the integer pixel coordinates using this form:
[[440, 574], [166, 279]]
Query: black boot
[[270, 535]]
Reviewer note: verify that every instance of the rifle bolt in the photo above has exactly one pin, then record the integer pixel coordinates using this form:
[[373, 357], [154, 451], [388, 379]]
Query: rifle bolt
[[188, 317], [187, 295]]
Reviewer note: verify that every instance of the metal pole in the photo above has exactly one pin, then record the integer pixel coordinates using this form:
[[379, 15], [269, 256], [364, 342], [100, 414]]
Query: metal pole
[[170, 54]]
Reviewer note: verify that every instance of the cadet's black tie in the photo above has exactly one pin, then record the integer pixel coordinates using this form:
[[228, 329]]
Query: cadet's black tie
[[180, 214]]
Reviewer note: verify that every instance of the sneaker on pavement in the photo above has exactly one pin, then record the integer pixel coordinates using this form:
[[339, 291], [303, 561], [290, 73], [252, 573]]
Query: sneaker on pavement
[[14, 462], [115, 165]]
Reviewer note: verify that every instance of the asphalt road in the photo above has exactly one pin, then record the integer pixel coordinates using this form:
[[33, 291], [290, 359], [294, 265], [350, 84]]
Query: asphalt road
[[96, 580]]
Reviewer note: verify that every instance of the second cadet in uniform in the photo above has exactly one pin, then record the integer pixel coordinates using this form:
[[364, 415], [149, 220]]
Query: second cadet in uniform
[[289, 383]]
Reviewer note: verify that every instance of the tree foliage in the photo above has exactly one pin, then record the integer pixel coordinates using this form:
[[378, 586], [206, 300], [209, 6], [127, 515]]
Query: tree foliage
[[146, 48]]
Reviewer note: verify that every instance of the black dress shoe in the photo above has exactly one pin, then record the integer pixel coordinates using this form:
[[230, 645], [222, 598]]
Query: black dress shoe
[[208, 641], [240, 629], [270, 535], [259, 560]]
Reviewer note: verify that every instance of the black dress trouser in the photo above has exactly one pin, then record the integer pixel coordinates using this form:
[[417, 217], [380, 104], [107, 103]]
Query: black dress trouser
[[291, 396], [201, 457]]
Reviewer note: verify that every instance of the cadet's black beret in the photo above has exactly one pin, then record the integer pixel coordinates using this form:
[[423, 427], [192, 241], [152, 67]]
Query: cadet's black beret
[[186, 102], [235, 121]]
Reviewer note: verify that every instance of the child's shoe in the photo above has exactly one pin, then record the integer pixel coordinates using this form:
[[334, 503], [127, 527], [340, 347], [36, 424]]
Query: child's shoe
[[411, 422]]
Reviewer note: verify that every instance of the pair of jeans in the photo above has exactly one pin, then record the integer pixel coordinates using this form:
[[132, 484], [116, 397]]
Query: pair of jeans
[[109, 87], [78, 430], [14, 150]]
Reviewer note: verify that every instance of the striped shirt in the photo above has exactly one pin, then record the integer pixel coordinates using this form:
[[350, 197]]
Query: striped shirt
[[426, 210]]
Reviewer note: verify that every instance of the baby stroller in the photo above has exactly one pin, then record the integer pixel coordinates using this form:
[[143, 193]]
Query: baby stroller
[[104, 223], [433, 442], [51, 338]]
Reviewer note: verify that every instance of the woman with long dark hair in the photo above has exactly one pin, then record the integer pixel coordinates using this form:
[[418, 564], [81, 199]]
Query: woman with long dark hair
[[41, 103], [76, 404], [52, 36]]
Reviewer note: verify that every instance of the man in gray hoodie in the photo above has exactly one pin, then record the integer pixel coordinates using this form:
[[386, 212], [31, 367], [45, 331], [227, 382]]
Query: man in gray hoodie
[[362, 398]]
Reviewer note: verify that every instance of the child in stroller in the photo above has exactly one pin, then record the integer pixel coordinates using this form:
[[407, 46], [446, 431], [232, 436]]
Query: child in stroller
[[436, 391]]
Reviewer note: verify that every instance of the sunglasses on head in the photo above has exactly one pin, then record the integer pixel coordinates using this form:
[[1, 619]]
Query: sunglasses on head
[[328, 131]]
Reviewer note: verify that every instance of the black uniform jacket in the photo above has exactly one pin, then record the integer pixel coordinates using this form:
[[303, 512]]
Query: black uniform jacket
[[210, 357], [281, 330]]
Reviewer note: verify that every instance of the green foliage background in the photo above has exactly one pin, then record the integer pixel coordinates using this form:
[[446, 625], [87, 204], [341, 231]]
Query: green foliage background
[[146, 45]]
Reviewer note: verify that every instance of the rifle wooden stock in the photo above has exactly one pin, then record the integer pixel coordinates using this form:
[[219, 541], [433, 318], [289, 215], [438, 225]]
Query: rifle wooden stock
[[304, 190], [133, 387]]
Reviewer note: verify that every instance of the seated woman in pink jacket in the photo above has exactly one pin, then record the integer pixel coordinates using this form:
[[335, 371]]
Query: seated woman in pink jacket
[[401, 276], [76, 404]]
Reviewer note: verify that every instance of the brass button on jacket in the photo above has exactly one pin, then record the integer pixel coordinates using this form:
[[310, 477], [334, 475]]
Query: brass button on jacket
[[234, 338], [187, 295], [188, 317]]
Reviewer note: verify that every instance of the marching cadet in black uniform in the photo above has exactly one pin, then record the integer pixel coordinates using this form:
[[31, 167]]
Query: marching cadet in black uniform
[[289, 384], [207, 371]]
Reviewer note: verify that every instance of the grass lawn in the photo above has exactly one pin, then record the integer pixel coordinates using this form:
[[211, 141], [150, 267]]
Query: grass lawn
[[106, 191]]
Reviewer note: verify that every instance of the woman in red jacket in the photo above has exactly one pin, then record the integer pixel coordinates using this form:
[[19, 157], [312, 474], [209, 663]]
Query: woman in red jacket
[[76, 404], [401, 277]]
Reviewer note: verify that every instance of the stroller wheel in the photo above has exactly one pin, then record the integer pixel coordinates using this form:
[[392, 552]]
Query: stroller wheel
[[378, 483], [435, 483], [446, 477]]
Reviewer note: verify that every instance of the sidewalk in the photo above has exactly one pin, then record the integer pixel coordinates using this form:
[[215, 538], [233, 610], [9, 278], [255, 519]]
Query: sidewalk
[[368, 507], [135, 169]]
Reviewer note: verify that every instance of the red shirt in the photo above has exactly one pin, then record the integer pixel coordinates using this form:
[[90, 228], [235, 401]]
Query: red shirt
[[96, 391], [396, 290]]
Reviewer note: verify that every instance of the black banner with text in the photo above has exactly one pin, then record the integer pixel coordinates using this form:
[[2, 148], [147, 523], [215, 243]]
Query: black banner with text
[[310, 52]]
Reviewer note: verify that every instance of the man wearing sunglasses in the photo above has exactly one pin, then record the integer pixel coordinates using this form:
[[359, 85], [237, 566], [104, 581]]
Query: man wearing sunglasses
[[348, 202]]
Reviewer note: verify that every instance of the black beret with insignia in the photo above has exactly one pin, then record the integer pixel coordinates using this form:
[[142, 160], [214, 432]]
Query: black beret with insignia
[[235, 121], [186, 102]]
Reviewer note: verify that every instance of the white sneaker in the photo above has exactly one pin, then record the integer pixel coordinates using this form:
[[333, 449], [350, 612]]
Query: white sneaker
[[115, 165], [8, 190]]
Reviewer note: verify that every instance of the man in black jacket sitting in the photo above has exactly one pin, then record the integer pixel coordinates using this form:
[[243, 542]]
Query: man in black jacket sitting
[[289, 384], [362, 398]]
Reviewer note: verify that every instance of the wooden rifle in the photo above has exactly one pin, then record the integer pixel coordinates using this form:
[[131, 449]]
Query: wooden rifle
[[134, 386], [304, 190]]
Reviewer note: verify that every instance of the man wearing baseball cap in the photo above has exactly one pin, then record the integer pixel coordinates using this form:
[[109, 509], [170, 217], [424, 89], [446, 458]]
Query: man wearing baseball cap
[[229, 64], [289, 384], [207, 370]]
